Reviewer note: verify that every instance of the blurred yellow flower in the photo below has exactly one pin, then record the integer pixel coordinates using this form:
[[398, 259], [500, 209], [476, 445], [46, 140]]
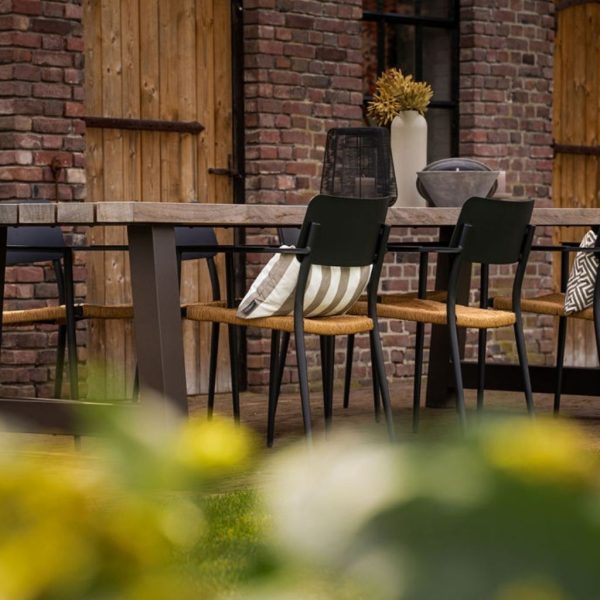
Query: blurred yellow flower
[[531, 590], [544, 450], [214, 446]]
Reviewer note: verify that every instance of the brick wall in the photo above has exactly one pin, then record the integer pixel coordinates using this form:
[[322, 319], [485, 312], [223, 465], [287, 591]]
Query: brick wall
[[41, 102], [506, 121], [304, 74]]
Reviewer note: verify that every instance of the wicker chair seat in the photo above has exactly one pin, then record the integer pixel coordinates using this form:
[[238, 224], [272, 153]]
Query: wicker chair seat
[[218, 312], [549, 304], [432, 311], [101, 311], [43, 314]]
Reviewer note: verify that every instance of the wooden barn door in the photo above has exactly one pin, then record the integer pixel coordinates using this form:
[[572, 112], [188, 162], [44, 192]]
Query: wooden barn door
[[159, 116], [576, 124]]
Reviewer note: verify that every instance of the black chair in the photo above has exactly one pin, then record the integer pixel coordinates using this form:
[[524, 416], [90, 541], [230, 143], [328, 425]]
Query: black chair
[[27, 245], [337, 231], [489, 232], [357, 163], [190, 242], [553, 304]]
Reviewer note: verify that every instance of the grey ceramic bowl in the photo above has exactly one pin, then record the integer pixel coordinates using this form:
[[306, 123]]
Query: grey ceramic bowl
[[452, 188]]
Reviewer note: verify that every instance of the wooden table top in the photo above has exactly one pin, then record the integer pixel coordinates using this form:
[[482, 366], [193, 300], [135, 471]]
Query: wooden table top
[[245, 215]]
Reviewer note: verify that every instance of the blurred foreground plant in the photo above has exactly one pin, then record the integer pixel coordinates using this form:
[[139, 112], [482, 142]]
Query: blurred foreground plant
[[511, 513], [108, 525]]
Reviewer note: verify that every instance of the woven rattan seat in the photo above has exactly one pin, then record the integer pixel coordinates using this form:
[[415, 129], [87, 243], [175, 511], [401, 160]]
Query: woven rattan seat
[[102, 311], [549, 304], [43, 314], [218, 312], [431, 311]]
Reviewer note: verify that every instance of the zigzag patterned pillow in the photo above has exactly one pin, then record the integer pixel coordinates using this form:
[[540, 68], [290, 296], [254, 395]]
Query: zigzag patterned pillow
[[580, 287], [329, 290]]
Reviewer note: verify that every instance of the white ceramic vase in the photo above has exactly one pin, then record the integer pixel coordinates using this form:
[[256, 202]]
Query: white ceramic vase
[[408, 138]]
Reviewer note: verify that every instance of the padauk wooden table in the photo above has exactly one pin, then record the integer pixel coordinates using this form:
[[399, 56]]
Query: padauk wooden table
[[155, 289]]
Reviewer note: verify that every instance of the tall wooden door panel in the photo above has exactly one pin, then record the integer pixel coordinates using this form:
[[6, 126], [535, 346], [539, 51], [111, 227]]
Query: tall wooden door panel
[[576, 129], [158, 108]]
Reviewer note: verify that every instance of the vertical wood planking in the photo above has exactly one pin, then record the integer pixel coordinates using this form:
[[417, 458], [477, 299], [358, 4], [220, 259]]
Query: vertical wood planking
[[576, 177], [132, 166], [223, 130], [154, 59], [96, 349], [114, 281], [150, 104]]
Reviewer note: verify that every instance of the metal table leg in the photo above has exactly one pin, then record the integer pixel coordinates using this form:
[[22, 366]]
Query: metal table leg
[[157, 316]]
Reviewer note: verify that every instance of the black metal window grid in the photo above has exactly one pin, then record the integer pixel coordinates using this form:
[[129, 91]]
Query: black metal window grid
[[421, 37]]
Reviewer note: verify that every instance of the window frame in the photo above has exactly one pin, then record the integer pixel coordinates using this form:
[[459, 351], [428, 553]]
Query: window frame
[[383, 19]]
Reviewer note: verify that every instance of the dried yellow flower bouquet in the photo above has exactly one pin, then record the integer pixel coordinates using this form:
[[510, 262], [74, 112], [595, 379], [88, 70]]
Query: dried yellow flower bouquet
[[395, 92]]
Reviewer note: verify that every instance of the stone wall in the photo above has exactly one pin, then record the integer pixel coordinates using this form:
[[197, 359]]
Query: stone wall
[[41, 157]]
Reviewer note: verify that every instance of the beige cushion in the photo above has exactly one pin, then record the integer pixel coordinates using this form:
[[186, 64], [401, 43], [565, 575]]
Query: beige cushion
[[329, 290]]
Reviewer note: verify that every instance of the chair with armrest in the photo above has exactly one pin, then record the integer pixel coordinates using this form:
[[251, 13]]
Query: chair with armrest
[[30, 244], [490, 232], [337, 232], [553, 304], [357, 163]]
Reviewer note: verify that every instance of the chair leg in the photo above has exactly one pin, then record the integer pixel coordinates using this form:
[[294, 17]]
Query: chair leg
[[560, 359], [419, 342], [375, 380], [303, 380], [481, 348], [284, 346], [60, 361], [377, 360], [235, 370], [273, 386], [135, 394], [212, 368], [522, 353], [460, 393], [72, 355], [327, 360], [348, 374]]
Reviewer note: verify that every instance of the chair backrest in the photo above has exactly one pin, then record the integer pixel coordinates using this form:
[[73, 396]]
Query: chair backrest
[[358, 164], [497, 229], [348, 232], [196, 236], [32, 237]]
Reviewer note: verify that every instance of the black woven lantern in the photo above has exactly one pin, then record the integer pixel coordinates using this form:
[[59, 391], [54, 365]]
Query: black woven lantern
[[358, 163]]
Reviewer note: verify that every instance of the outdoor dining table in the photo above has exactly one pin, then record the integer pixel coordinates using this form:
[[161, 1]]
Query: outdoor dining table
[[155, 291]]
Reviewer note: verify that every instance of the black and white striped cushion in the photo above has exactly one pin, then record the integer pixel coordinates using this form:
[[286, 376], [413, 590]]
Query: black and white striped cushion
[[329, 290], [580, 287]]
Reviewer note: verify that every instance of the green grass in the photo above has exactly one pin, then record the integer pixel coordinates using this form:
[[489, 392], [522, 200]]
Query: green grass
[[233, 547]]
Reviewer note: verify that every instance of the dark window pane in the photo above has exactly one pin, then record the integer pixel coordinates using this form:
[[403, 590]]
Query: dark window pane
[[439, 133], [369, 46], [442, 9], [437, 62], [401, 48]]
